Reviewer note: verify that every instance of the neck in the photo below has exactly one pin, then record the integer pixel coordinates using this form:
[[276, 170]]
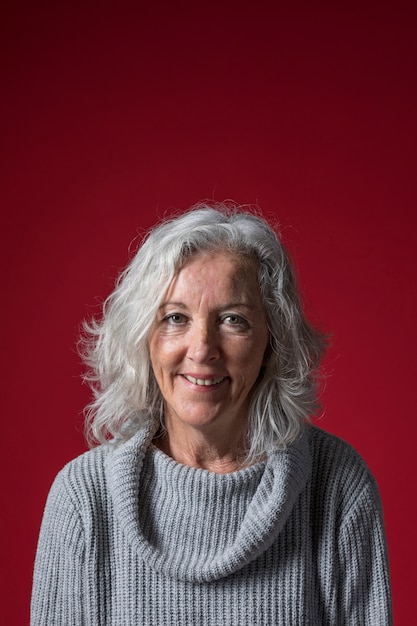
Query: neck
[[220, 453]]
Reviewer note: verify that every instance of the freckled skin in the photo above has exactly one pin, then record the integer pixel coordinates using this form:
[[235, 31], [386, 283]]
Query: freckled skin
[[211, 327]]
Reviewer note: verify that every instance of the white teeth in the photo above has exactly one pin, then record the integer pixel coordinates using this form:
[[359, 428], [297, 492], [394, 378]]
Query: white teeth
[[204, 382]]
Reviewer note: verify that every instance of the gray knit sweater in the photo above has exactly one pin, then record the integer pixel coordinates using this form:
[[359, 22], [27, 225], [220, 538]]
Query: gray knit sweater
[[130, 537]]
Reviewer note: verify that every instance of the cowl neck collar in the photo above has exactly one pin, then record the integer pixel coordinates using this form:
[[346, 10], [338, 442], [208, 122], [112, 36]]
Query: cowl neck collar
[[198, 526]]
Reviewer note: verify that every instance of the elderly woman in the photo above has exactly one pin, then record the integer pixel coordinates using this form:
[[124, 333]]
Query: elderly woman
[[211, 499]]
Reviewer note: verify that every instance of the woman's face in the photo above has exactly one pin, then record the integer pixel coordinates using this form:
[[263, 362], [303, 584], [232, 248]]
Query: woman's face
[[209, 340]]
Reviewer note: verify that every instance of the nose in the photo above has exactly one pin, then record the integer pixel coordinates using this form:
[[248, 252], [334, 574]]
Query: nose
[[203, 344]]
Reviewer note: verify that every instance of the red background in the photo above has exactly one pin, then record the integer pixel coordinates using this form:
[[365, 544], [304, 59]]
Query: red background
[[112, 115]]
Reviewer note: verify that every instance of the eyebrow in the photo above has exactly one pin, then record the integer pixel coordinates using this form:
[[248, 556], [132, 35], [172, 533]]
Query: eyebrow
[[180, 305], [229, 305]]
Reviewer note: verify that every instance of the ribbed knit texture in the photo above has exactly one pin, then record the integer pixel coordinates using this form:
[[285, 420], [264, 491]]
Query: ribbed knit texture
[[130, 537]]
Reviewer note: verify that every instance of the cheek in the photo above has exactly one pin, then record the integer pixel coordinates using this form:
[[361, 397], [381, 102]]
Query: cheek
[[164, 353], [248, 363], [156, 355], [256, 351], [259, 358]]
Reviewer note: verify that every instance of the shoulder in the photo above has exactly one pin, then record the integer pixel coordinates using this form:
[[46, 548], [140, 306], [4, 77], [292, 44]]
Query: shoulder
[[329, 451], [89, 463], [81, 480], [339, 473]]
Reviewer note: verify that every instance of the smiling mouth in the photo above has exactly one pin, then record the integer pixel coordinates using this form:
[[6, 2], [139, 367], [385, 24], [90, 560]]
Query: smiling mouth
[[204, 382]]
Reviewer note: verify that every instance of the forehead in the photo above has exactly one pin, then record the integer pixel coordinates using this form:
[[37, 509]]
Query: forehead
[[218, 269]]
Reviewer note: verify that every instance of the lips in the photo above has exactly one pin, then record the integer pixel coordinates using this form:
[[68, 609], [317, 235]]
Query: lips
[[204, 382]]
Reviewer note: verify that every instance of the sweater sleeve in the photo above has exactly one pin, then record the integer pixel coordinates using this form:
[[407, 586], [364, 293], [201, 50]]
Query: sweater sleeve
[[364, 574], [57, 594]]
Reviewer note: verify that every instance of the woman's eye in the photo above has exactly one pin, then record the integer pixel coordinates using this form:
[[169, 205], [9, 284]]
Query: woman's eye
[[174, 319], [234, 320]]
